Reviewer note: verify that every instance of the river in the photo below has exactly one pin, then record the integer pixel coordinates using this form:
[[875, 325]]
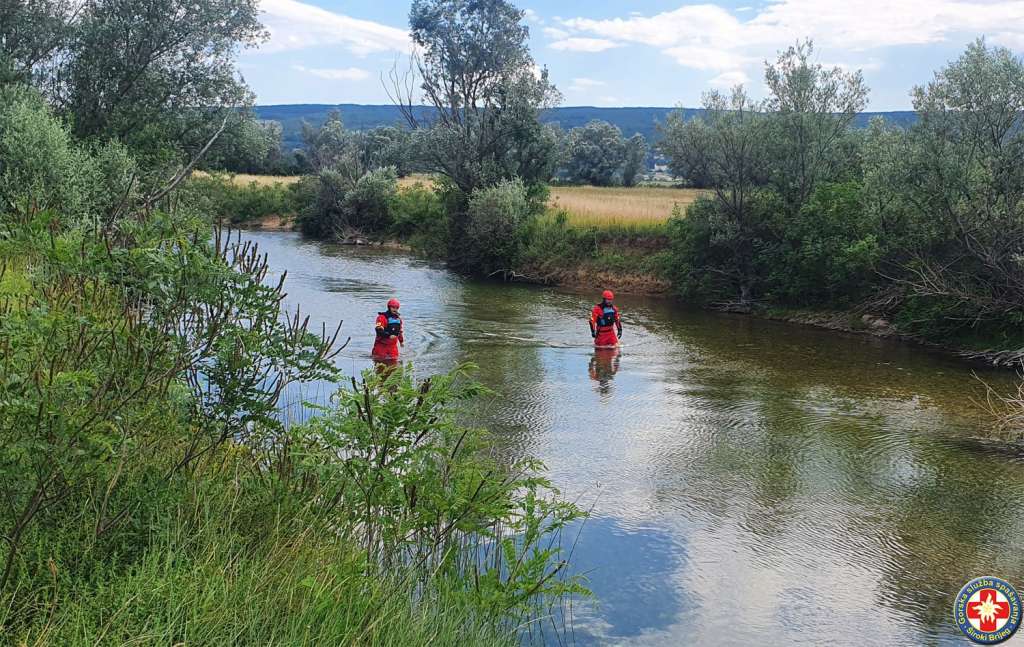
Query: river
[[752, 482]]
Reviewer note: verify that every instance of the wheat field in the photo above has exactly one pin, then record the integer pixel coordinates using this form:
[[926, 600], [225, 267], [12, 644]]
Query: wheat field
[[638, 207], [606, 206]]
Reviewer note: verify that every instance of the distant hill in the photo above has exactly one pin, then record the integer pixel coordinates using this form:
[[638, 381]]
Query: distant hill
[[629, 120]]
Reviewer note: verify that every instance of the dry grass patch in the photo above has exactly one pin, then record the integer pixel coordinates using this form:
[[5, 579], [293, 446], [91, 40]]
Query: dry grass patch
[[605, 206], [245, 179]]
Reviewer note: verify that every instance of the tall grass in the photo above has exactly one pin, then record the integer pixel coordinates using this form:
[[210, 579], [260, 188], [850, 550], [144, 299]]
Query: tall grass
[[214, 575], [620, 209], [639, 207]]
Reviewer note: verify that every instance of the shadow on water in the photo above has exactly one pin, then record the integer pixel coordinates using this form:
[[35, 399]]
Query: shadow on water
[[753, 482]]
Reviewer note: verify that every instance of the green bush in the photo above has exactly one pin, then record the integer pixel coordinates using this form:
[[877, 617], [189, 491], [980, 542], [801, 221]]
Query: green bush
[[716, 257], [420, 218], [217, 197], [828, 253], [369, 205], [41, 167], [342, 204], [497, 227]]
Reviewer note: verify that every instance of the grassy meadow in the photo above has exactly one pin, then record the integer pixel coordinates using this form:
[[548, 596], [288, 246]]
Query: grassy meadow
[[636, 208], [616, 207]]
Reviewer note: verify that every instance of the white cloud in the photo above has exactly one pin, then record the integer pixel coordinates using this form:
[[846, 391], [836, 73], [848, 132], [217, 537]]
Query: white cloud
[[296, 25], [334, 74], [555, 33], [584, 44], [707, 37], [583, 84], [533, 16], [708, 58], [729, 79]]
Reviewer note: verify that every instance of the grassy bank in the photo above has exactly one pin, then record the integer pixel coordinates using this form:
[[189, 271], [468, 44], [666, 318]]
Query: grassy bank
[[152, 492]]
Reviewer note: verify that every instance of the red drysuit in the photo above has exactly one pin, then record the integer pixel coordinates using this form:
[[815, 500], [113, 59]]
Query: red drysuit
[[605, 325], [389, 334]]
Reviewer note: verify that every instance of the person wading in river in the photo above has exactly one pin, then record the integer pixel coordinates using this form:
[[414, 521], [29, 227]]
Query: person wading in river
[[389, 333], [605, 324]]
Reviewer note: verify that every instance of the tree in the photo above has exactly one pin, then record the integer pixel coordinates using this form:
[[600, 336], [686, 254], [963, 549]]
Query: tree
[[30, 33], [636, 156], [812, 108], [595, 154], [387, 146], [248, 145], [958, 179], [728, 146], [476, 72], [330, 146], [158, 75], [673, 144]]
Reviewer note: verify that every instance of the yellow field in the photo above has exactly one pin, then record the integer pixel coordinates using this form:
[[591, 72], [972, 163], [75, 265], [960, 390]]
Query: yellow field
[[640, 206], [585, 205], [244, 179]]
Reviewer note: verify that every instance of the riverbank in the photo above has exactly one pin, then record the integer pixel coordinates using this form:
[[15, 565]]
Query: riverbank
[[631, 263], [801, 456]]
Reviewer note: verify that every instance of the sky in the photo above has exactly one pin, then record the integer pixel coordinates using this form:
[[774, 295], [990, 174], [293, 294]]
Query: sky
[[639, 53]]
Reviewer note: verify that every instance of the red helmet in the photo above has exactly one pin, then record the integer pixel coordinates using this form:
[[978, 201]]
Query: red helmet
[[608, 294], [393, 303]]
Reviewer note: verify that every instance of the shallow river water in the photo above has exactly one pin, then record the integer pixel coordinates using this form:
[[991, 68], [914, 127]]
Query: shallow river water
[[752, 482]]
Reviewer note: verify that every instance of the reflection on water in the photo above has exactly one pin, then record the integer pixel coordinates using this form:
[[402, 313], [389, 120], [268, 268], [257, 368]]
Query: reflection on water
[[753, 482]]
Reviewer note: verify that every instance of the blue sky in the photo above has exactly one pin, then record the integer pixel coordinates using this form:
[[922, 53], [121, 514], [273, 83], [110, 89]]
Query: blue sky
[[642, 53]]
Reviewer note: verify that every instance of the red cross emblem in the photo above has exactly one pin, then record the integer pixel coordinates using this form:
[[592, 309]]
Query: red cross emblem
[[988, 610]]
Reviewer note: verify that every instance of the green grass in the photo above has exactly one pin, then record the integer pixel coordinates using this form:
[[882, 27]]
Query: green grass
[[204, 580]]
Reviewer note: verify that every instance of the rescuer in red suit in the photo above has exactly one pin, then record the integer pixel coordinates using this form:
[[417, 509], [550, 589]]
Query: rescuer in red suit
[[605, 324], [389, 332]]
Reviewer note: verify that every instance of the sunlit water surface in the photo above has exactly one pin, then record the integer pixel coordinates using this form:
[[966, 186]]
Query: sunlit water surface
[[752, 482]]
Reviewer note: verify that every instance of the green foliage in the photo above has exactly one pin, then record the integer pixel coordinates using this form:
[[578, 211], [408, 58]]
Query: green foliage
[[40, 165], [497, 228], [250, 146], [828, 254], [421, 219], [478, 77], [595, 154], [369, 205], [219, 198], [636, 159], [344, 205]]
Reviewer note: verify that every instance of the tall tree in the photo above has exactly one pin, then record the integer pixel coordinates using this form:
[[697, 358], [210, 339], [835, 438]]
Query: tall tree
[[959, 176], [728, 145], [476, 71], [813, 108], [156, 74], [595, 154], [636, 155]]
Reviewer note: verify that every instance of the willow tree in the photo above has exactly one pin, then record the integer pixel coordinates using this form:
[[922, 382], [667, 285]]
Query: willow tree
[[486, 93], [812, 110], [959, 176], [158, 75]]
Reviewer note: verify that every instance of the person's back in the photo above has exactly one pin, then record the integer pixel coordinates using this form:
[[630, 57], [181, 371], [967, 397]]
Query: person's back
[[605, 322]]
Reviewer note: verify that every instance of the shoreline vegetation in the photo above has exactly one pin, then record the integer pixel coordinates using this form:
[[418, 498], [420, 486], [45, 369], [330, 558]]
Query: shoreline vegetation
[[650, 239], [153, 492]]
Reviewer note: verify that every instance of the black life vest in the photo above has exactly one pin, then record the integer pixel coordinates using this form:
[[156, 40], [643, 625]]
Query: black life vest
[[394, 326], [607, 318]]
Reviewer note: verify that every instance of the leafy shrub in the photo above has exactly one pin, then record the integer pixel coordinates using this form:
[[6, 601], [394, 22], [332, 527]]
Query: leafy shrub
[[364, 204], [828, 253], [41, 167], [421, 219], [217, 197], [497, 228], [369, 205]]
